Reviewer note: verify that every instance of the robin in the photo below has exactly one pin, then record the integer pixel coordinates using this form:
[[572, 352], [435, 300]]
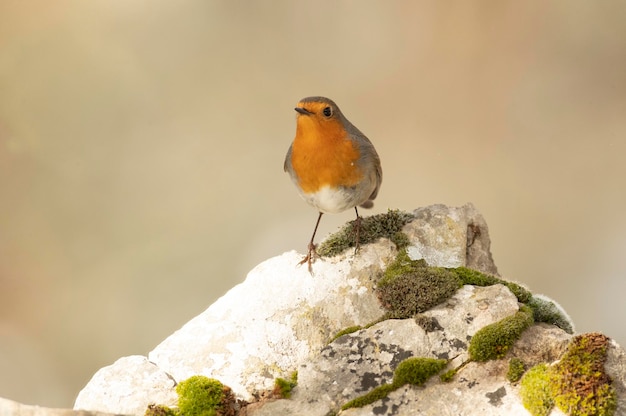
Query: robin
[[334, 166]]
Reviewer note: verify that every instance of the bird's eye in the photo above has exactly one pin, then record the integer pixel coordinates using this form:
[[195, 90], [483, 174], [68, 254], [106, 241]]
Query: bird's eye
[[327, 111]]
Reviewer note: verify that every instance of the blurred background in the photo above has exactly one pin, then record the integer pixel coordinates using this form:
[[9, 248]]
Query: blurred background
[[142, 146]]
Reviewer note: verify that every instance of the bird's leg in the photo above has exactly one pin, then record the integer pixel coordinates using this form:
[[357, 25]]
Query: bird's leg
[[357, 226], [311, 253]]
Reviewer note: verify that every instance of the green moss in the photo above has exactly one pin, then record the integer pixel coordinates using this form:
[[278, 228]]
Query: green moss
[[199, 396], [579, 383], [346, 331], [547, 311], [535, 390], [476, 278], [387, 225], [493, 341], [408, 287], [416, 370], [516, 370], [159, 410], [372, 396], [448, 376], [283, 388]]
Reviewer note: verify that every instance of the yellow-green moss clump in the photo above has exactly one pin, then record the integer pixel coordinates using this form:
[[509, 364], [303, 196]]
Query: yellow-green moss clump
[[494, 341], [415, 371], [535, 391], [580, 384], [476, 278], [408, 287], [577, 384], [283, 388], [547, 311], [387, 225], [197, 396], [516, 370]]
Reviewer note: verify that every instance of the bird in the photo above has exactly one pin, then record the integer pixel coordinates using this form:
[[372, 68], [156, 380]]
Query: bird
[[334, 166]]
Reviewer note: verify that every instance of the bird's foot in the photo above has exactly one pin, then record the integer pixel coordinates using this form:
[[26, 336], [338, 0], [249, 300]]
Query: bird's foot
[[310, 257]]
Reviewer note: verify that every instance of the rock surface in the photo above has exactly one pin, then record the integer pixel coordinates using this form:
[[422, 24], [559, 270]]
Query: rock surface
[[282, 318], [11, 408], [127, 385], [356, 363]]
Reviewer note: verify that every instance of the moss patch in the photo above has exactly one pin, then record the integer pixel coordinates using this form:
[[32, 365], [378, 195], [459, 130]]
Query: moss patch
[[283, 388], [535, 391], [387, 225], [370, 397], [415, 371], [580, 384], [494, 341], [199, 396], [408, 287], [346, 331], [577, 384], [516, 370], [476, 278], [448, 376], [159, 410], [547, 311]]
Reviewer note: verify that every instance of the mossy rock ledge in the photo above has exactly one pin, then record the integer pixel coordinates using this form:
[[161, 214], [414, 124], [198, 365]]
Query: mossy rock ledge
[[417, 322]]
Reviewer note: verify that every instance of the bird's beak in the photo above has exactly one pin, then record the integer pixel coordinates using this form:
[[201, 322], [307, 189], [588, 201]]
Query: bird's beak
[[303, 111]]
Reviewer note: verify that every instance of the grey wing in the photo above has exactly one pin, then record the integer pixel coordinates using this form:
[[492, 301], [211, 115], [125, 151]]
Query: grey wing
[[287, 164], [368, 150], [379, 177]]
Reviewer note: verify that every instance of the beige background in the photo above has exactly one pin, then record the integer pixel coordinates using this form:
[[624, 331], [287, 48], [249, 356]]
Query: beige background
[[142, 143]]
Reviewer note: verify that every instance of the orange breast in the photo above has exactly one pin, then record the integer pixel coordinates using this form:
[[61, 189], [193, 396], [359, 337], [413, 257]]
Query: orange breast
[[322, 155]]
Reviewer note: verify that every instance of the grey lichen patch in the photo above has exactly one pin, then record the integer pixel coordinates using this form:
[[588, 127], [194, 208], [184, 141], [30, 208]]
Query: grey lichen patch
[[408, 287], [387, 225], [495, 397], [547, 311]]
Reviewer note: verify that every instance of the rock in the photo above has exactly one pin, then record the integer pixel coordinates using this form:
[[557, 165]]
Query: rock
[[11, 408], [282, 315], [451, 237], [279, 317], [356, 363], [282, 318], [128, 386]]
